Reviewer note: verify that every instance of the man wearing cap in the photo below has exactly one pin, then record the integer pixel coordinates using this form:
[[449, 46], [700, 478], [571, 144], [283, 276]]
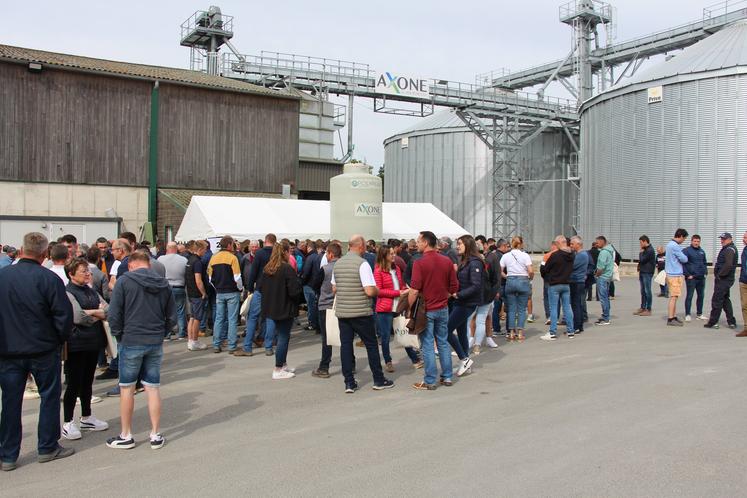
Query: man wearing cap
[[723, 271], [743, 286]]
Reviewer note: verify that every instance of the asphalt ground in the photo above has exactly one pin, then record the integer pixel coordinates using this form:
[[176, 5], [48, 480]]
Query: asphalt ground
[[632, 409]]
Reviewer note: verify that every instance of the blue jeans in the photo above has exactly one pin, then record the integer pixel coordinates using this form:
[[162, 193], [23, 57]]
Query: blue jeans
[[578, 305], [644, 281], [384, 328], [137, 360], [693, 286], [254, 320], [458, 320], [603, 290], [517, 297], [481, 316], [13, 375], [312, 313], [562, 293], [208, 321], [180, 300], [437, 328], [226, 318], [282, 329]]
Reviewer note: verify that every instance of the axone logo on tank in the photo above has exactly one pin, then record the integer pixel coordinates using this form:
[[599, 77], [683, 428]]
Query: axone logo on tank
[[366, 209], [364, 184], [408, 86]]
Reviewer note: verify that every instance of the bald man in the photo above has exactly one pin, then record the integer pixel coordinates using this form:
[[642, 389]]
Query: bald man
[[176, 266], [354, 286]]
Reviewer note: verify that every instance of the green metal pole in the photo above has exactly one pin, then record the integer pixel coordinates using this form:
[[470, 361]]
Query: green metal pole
[[153, 156]]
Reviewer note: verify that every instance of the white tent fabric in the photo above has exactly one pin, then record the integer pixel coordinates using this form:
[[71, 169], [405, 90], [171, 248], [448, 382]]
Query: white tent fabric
[[254, 217]]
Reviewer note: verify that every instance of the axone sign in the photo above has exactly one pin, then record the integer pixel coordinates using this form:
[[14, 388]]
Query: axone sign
[[367, 210], [405, 86]]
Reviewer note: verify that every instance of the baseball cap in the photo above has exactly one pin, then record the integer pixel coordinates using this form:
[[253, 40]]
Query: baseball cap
[[725, 235]]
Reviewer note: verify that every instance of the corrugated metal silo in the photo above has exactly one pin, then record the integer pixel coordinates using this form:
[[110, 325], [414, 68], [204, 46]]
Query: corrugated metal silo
[[668, 149], [439, 160]]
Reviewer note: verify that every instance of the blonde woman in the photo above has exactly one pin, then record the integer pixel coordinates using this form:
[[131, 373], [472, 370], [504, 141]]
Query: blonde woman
[[516, 265]]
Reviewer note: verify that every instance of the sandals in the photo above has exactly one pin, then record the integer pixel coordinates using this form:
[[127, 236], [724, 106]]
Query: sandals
[[520, 336]]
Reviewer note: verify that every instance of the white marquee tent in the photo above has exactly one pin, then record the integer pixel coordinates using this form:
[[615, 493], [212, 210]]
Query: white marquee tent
[[254, 217]]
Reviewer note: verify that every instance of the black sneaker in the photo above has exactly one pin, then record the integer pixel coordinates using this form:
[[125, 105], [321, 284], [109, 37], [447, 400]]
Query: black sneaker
[[269, 352], [108, 374], [733, 325], [119, 443], [351, 388], [385, 384], [156, 441], [602, 322], [60, 452], [710, 325], [673, 322], [216, 349]]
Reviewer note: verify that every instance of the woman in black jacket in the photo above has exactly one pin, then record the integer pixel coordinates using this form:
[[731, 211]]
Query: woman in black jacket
[[86, 340], [281, 293], [470, 273]]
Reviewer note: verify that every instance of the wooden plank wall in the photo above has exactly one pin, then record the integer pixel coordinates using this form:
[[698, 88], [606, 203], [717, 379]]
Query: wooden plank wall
[[226, 141], [67, 127]]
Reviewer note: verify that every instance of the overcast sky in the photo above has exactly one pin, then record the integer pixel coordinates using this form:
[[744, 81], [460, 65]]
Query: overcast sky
[[435, 39]]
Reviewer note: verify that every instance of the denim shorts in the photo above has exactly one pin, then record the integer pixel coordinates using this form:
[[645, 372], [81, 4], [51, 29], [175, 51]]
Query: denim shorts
[[136, 359], [198, 308]]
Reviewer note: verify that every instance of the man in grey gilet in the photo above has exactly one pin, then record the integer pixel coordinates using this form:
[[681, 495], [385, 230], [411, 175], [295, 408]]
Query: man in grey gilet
[[354, 286]]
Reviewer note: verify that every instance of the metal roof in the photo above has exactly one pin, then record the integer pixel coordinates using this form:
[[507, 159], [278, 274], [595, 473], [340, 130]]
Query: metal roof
[[141, 71], [446, 121], [722, 53]]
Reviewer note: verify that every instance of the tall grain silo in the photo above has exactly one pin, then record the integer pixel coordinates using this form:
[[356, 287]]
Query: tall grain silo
[[439, 160], [668, 148]]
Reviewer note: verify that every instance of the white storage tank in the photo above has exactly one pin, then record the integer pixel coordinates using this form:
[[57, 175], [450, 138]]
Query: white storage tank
[[355, 199]]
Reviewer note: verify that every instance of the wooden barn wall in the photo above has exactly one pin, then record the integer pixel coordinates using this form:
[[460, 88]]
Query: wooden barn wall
[[226, 141], [68, 127]]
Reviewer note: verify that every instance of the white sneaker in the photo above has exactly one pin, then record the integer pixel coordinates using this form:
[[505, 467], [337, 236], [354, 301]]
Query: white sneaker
[[71, 431], [197, 346], [548, 337], [282, 374], [289, 369], [531, 318], [547, 322], [490, 342], [688, 318], [465, 366], [96, 399], [91, 423], [702, 317]]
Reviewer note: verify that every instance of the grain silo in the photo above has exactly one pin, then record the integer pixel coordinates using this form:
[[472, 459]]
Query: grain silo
[[439, 160], [668, 148]]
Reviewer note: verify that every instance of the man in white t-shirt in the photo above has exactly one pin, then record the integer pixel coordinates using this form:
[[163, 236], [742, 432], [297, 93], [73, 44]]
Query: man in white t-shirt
[[59, 256], [354, 285]]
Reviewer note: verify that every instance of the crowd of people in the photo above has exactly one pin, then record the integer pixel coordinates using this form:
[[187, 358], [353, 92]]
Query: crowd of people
[[73, 309]]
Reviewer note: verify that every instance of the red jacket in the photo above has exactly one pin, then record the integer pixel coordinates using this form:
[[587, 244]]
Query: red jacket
[[387, 292]]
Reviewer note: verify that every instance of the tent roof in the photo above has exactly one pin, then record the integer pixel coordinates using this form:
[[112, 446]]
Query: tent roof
[[253, 218]]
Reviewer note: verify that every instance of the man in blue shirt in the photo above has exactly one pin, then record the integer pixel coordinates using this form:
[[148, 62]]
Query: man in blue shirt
[[675, 274], [695, 277], [578, 282]]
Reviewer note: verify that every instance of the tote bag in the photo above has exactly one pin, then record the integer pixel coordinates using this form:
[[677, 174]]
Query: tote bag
[[244, 311], [402, 334], [332, 326], [661, 278]]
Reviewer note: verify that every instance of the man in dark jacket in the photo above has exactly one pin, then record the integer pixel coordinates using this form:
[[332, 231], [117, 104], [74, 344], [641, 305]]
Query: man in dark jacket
[[494, 261], [743, 286], [35, 319], [696, 270], [253, 319], [724, 271], [557, 273], [141, 311], [646, 267]]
